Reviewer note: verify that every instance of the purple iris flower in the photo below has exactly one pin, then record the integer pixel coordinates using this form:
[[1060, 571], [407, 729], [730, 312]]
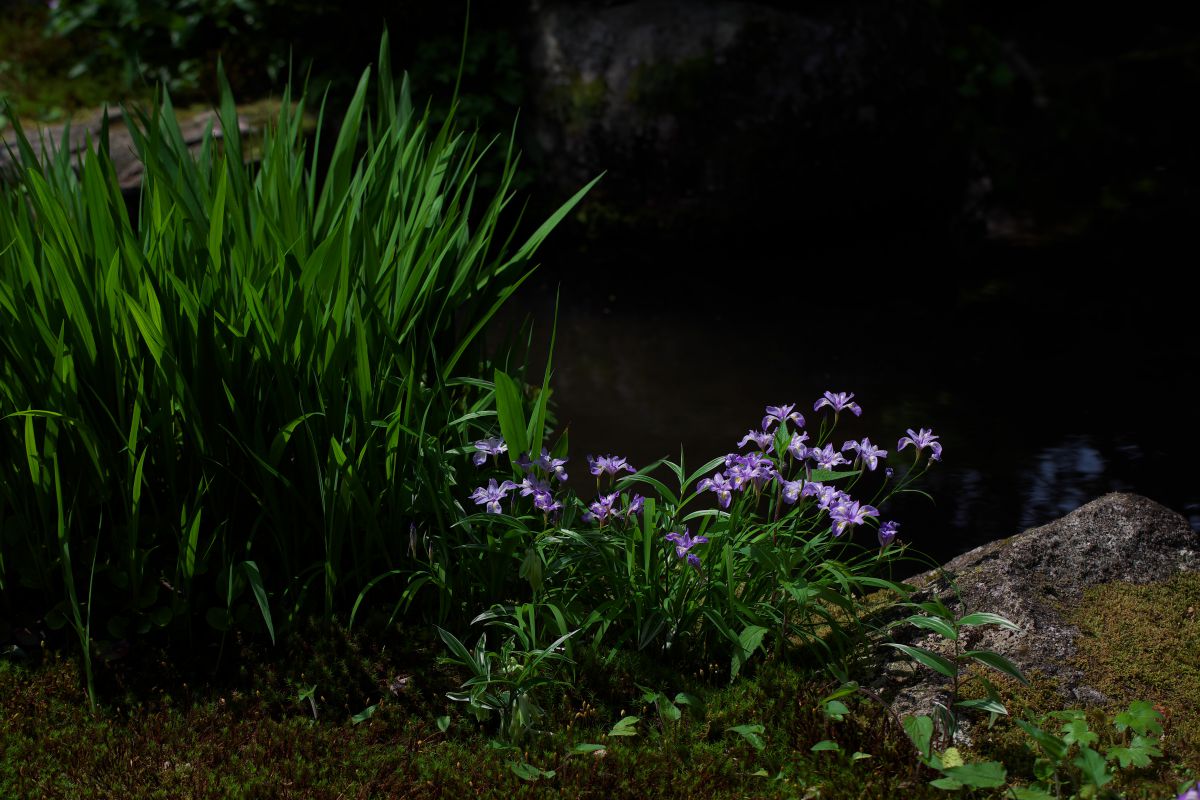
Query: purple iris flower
[[780, 414], [889, 473], [610, 464], [826, 457], [827, 496], [920, 441], [524, 462], [869, 453], [797, 446], [1191, 794], [534, 486], [837, 402], [488, 447], [760, 438], [683, 543], [887, 532], [545, 502], [602, 509], [849, 514], [492, 495], [719, 484], [635, 505], [552, 466], [791, 491]]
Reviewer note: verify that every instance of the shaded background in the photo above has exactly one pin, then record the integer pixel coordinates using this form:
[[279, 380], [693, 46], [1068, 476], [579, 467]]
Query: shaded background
[[979, 219]]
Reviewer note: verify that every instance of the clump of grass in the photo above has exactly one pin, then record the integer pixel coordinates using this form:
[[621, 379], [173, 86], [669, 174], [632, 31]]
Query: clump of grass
[[233, 410]]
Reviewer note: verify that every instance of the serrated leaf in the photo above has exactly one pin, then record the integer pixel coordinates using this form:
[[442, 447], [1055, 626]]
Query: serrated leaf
[[952, 758], [1141, 718], [1077, 731], [1093, 767]]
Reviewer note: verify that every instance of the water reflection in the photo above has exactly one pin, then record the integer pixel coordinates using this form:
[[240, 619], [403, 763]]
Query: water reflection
[[1034, 417], [1065, 476]]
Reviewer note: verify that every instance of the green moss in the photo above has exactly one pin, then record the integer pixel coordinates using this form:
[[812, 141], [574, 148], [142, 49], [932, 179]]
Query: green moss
[[1143, 643], [1136, 643]]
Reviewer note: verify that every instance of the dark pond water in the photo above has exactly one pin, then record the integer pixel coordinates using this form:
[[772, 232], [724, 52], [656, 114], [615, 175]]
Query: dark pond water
[[1048, 385]]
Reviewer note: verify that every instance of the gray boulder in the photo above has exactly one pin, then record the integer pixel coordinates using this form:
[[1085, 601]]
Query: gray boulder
[[1034, 579]]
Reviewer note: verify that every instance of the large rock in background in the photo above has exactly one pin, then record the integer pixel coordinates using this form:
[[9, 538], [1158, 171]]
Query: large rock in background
[[1035, 579], [829, 118]]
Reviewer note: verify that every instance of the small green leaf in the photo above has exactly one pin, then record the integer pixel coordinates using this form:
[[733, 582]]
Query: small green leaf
[[365, 714], [584, 747], [836, 709], [666, 709], [751, 733], [627, 726], [1141, 718], [952, 758], [859, 756], [528, 772], [1077, 731], [443, 723], [825, 744]]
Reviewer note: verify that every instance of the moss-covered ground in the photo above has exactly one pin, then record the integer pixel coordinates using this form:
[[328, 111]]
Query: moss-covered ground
[[248, 730]]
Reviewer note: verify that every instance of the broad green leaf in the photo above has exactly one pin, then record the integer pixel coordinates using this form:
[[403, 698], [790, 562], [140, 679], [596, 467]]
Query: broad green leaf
[[824, 745], [939, 626], [920, 732], [626, 726]]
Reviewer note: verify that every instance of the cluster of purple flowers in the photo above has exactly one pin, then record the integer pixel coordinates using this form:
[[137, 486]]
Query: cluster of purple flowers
[[607, 507], [757, 469], [539, 487], [684, 542], [754, 470]]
